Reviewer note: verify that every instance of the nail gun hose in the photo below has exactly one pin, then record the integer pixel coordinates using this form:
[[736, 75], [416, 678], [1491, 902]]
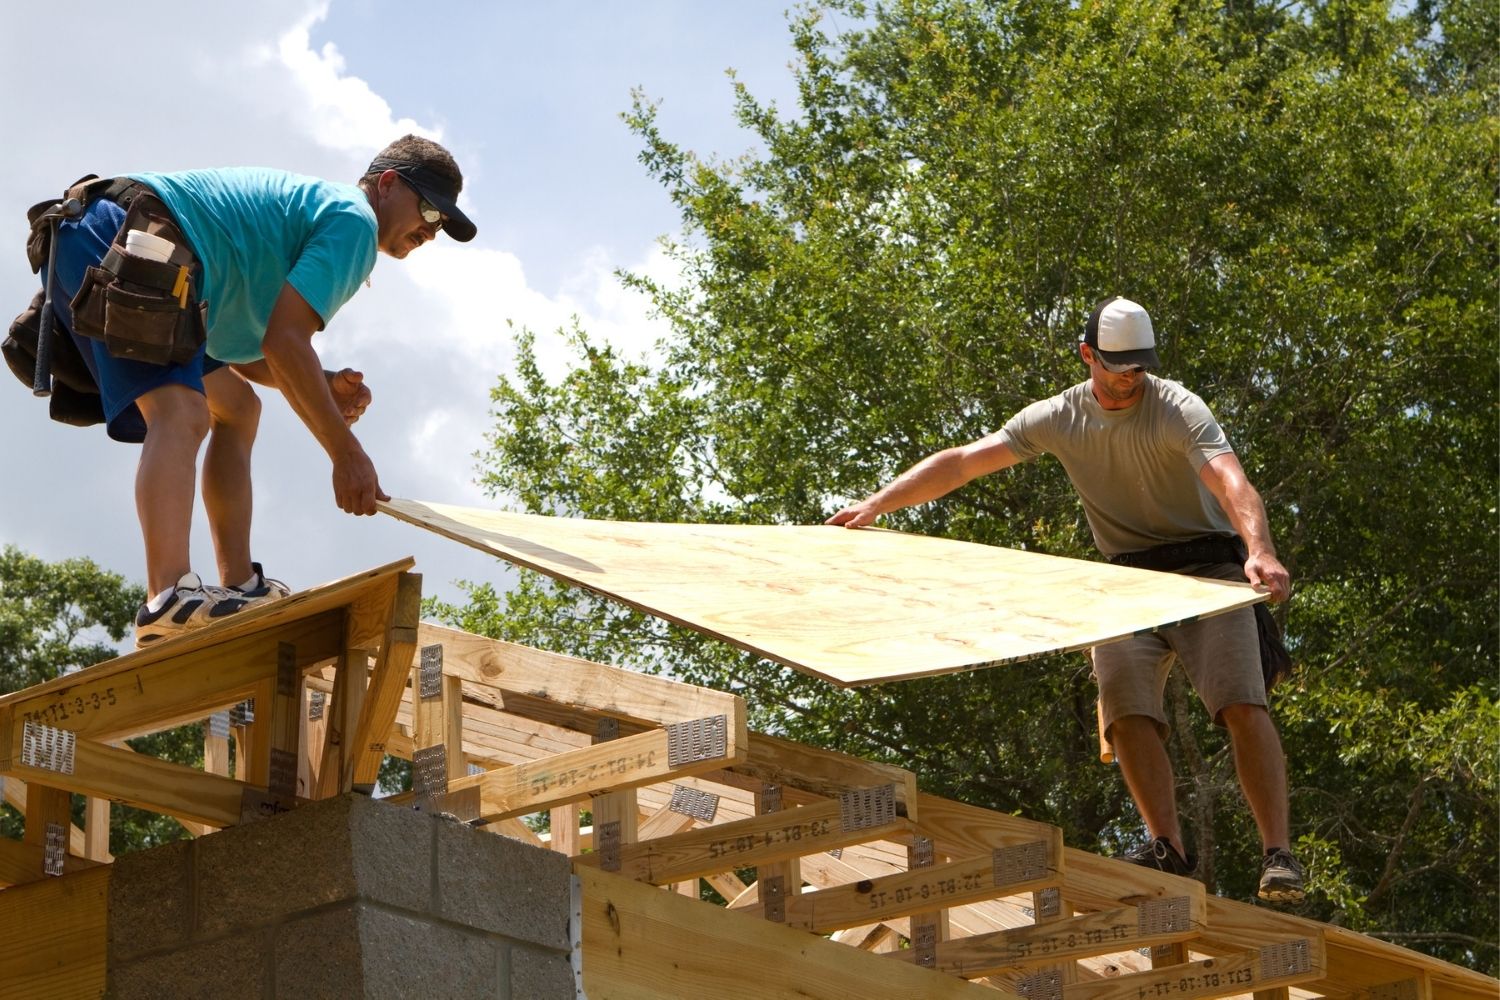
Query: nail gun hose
[[41, 381]]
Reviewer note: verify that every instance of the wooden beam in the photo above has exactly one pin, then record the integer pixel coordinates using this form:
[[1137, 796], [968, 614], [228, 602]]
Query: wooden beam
[[336, 771], [527, 788], [138, 780], [824, 772], [392, 667], [951, 884], [727, 846], [56, 936], [640, 942], [21, 863], [15, 797], [569, 681], [1227, 975], [96, 830], [137, 694], [1024, 949]]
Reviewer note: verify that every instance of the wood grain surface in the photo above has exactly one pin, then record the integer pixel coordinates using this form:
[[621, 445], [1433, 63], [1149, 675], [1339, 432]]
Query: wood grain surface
[[852, 607]]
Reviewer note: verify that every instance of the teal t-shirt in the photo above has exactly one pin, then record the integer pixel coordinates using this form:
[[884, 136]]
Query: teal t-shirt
[[255, 230]]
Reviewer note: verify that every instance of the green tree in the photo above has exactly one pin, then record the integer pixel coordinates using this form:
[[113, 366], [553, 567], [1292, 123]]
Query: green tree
[[59, 617], [1302, 195]]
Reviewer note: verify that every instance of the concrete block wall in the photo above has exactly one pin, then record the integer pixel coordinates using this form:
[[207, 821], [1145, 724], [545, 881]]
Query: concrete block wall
[[345, 898]]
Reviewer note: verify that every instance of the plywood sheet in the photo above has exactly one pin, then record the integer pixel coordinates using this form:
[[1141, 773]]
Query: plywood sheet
[[852, 607]]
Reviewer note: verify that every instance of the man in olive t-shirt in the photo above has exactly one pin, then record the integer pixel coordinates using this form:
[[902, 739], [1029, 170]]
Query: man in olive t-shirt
[[1152, 468]]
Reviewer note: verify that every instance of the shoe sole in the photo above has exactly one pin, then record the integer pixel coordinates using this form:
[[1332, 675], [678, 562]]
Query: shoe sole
[[1274, 894]]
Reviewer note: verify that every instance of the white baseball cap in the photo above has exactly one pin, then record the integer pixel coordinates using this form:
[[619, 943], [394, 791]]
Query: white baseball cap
[[1120, 332]]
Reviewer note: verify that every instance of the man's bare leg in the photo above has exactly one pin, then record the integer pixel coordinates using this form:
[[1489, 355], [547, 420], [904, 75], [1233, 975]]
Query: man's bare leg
[[1261, 766], [1148, 775], [234, 417], [176, 423]]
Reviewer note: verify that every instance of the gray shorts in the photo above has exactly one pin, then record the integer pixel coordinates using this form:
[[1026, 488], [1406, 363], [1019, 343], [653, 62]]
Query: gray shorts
[[1220, 654]]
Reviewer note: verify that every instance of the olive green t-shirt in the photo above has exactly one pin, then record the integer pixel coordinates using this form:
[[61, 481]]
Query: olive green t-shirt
[[1136, 469]]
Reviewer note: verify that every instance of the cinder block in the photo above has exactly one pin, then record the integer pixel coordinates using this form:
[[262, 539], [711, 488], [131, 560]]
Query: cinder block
[[360, 951], [150, 901], [344, 848], [231, 968], [502, 885], [540, 975]]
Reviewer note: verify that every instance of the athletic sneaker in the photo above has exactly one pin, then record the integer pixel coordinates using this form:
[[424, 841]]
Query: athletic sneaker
[[1281, 877], [265, 590], [192, 605], [1161, 855]]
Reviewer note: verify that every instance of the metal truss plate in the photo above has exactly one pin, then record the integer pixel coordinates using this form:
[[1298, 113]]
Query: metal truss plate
[[55, 849], [48, 748], [242, 714], [920, 854], [317, 703], [773, 898], [924, 942], [607, 842], [283, 773], [1021, 863], [606, 730], [697, 739], [770, 799], [287, 676], [837, 853], [474, 769], [431, 672], [863, 808], [429, 776], [1049, 903], [1044, 985], [1285, 958], [218, 725], [691, 802], [1164, 916]]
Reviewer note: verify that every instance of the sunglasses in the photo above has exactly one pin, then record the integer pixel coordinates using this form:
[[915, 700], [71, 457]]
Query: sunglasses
[[430, 213]]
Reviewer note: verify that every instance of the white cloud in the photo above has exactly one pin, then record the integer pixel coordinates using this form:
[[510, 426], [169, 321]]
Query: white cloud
[[338, 110]]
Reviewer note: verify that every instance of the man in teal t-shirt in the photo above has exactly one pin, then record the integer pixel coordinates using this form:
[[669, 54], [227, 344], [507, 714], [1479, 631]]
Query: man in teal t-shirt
[[280, 254]]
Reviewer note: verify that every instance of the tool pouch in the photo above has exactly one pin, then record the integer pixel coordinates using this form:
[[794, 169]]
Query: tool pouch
[[144, 310]]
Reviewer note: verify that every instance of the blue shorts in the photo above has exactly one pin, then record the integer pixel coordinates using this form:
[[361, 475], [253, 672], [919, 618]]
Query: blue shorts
[[81, 244]]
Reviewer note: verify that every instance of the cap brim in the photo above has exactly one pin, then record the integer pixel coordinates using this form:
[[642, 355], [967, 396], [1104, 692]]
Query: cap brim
[[1145, 357], [457, 225]]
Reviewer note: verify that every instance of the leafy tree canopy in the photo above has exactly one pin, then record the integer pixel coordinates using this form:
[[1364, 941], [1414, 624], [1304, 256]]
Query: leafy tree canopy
[[1302, 196]]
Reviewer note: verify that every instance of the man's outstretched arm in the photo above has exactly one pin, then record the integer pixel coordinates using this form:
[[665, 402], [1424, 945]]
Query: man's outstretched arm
[[297, 372], [936, 475], [1226, 480]]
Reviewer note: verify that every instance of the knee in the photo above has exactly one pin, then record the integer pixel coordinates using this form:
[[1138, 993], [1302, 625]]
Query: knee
[[1241, 716], [175, 414], [237, 411]]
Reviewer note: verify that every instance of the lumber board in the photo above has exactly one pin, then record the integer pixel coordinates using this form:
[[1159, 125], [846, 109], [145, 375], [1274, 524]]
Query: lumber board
[[825, 773], [916, 891], [22, 862], [755, 841], [55, 933], [851, 607], [278, 621], [1023, 948], [135, 779], [377, 713], [640, 943], [553, 781], [1223, 976], [574, 682]]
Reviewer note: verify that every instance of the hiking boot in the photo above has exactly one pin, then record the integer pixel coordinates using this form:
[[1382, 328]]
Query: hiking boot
[[1161, 855], [192, 605], [1281, 877], [265, 590]]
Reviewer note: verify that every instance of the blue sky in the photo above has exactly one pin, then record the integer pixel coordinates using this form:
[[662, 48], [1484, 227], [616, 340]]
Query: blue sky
[[527, 95]]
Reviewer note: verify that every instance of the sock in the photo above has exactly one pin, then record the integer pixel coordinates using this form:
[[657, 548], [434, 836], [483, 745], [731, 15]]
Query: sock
[[160, 600], [251, 583]]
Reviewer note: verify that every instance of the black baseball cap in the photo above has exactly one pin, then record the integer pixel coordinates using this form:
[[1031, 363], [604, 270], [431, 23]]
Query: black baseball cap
[[438, 188]]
